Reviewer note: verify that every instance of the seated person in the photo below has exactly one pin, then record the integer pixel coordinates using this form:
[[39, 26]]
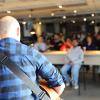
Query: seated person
[[89, 43], [40, 45], [66, 45], [57, 42], [75, 57], [97, 43]]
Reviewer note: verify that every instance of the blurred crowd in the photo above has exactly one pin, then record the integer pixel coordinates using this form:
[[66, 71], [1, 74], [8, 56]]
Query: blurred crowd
[[58, 41]]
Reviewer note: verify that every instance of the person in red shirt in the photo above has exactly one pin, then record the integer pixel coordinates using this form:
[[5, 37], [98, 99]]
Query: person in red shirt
[[66, 45]]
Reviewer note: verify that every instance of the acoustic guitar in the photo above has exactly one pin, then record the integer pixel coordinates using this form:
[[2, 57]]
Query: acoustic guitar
[[50, 92]]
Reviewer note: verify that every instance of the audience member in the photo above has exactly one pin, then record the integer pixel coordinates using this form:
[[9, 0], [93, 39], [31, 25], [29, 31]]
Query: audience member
[[40, 45], [97, 43], [66, 45], [75, 57], [57, 42], [89, 43]]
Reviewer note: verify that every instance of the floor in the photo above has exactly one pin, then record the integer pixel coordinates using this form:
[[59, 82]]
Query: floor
[[92, 91]]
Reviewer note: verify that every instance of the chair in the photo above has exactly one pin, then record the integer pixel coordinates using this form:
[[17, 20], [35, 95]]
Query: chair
[[82, 75]]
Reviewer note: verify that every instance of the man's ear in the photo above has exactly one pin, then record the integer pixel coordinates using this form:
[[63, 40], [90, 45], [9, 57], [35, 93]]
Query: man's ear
[[18, 31]]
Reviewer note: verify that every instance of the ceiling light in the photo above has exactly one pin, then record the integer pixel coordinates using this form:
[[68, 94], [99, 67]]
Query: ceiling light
[[75, 11], [84, 19], [73, 21], [60, 6], [52, 14], [23, 22], [92, 15], [92, 22], [32, 32], [40, 23], [64, 17], [8, 11]]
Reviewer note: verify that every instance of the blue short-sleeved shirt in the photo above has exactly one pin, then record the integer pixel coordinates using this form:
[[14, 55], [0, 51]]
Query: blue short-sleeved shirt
[[32, 63]]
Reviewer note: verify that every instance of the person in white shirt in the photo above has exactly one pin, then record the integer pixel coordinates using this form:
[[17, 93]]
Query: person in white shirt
[[74, 58]]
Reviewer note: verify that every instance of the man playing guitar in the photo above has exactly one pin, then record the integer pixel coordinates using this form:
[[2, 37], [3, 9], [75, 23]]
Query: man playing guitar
[[11, 86]]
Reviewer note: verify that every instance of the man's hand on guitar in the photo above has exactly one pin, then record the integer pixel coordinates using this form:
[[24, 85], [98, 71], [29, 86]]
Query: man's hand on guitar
[[59, 89], [54, 92]]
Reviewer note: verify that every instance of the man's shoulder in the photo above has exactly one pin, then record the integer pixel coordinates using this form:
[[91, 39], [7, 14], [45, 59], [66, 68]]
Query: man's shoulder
[[25, 49]]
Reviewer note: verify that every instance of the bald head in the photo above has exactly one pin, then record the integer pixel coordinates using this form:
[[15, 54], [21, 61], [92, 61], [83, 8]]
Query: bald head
[[9, 27]]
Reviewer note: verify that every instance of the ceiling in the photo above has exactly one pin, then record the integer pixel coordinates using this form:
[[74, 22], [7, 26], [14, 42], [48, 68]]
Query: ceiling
[[44, 8]]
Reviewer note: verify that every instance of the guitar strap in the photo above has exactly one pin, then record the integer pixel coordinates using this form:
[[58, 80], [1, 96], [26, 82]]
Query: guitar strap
[[4, 60]]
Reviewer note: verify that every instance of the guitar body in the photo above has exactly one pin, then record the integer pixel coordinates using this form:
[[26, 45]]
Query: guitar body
[[51, 92]]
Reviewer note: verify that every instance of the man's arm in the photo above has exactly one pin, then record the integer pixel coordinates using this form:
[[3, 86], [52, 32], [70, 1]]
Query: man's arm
[[50, 73]]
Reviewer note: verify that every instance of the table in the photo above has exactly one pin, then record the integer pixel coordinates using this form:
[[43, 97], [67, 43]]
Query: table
[[59, 57], [90, 58]]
